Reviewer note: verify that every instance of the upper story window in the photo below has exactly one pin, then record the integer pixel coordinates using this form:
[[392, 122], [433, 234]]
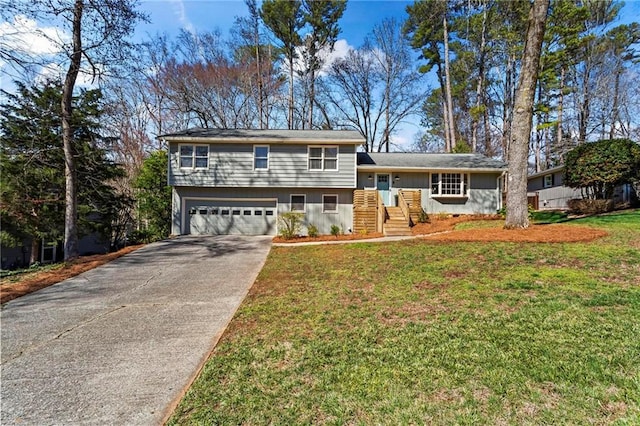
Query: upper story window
[[261, 157], [323, 158], [449, 184], [194, 156], [547, 181]]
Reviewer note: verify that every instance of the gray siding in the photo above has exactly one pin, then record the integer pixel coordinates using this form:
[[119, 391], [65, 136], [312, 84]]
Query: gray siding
[[556, 197], [231, 165], [313, 215], [484, 194], [484, 197], [537, 183]]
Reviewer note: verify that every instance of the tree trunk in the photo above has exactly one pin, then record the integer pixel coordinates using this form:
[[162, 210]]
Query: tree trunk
[[559, 134], [387, 108], [585, 106], [615, 114], [449, 103], [71, 189], [312, 95], [517, 210], [507, 107], [445, 115], [539, 135], [480, 83], [35, 252], [259, 76], [290, 92]]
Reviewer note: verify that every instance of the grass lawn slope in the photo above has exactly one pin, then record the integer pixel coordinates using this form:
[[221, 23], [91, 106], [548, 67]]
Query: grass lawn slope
[[434, 332]]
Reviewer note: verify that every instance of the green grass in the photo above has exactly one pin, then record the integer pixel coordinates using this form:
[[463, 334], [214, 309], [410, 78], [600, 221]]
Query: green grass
[[548, 216], [419, 332]]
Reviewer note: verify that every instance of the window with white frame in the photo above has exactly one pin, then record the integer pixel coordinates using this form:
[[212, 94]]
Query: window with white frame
[[329, 203], [194, 156], [298, 202], [261, 157], [547, 181], [449, 184], [323, 158]]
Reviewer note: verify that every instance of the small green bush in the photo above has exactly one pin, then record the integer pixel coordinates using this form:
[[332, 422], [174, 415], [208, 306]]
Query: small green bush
[[290, 224], [335, 230], [423, 217], [312, 230]]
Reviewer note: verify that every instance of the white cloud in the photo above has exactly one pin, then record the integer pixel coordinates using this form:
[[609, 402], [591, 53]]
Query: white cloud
[[181, 14], [340, 50], [24, 35]]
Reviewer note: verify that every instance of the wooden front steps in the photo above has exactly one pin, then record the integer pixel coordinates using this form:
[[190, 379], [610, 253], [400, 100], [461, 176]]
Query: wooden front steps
[[371, 215], [396, 223]]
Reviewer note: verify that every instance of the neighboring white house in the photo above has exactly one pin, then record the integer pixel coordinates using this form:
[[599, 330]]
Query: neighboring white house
[[239, 181]]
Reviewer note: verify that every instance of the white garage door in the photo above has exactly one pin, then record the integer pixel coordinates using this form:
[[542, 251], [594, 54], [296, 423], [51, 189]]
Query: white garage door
[[222, 217]]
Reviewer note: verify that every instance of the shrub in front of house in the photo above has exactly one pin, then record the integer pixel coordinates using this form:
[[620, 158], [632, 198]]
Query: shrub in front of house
[[312, 230], [290, 224], [589, 206]]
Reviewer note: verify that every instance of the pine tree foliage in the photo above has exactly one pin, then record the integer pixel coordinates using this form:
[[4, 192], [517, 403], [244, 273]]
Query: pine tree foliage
[[32, 178]]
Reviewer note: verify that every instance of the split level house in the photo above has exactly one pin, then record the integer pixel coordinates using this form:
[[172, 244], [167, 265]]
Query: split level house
[[241, 181]]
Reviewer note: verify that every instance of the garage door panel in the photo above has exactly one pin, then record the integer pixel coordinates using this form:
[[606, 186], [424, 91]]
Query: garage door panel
[[222, 217]]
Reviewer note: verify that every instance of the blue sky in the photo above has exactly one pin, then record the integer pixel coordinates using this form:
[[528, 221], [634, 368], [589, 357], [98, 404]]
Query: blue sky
[[358, 20], [205, 15], [169, 16]]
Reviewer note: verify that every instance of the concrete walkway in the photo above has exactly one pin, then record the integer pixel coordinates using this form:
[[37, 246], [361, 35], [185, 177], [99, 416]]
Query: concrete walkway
[[119, 344]]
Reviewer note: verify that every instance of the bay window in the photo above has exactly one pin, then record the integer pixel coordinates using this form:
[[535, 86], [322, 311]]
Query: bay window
[[449, 184]]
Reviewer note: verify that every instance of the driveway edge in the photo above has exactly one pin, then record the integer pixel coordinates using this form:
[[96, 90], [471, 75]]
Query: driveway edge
[[171, 408]]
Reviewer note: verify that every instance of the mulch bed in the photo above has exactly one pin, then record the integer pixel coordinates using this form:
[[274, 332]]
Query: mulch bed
[[534, 234], [344, 237], [38, 280]]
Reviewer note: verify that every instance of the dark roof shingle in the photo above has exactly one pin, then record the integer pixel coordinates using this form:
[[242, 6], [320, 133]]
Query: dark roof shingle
[[401, 160], [270, 134]]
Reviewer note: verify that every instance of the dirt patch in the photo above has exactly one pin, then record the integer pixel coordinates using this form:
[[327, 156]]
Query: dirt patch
[[30, 282]]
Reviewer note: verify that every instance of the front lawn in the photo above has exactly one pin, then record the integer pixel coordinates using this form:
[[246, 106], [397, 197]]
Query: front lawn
[[432, 332]]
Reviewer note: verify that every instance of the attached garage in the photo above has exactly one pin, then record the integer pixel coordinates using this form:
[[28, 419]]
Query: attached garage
[[230, 216]]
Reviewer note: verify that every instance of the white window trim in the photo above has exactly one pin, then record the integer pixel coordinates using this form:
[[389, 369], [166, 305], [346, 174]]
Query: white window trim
[[322, 157], [193, 156], [544, 181], [439, 194], [254, 156], [337, 203], [304, 210]]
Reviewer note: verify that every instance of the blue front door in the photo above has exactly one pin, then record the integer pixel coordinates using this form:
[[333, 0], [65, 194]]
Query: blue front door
[[383, 185]]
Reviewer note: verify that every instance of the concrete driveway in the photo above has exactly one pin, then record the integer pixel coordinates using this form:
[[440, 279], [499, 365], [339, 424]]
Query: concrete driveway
[[119, 344]]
